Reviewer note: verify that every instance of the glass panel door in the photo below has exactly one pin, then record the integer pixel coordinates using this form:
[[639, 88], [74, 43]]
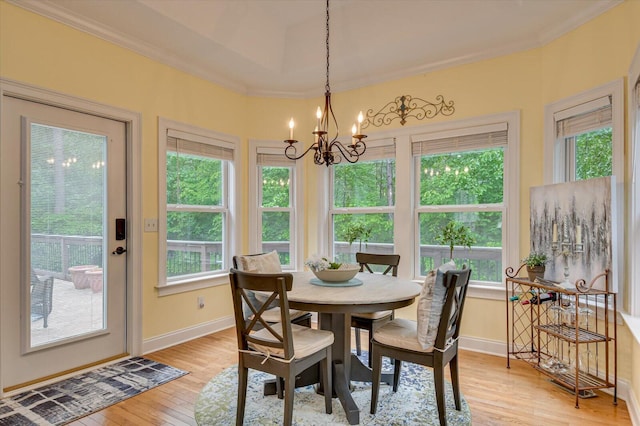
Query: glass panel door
[[67, 210]]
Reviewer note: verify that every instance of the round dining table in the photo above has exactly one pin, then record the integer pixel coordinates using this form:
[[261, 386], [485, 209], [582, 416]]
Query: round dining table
[[334, 304]]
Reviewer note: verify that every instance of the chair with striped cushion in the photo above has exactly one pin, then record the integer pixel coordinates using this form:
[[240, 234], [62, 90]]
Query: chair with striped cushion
[[282, 349], [413, 341]]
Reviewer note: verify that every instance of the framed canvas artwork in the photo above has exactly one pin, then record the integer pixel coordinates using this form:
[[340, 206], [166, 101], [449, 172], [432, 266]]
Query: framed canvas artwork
[[574, 223]]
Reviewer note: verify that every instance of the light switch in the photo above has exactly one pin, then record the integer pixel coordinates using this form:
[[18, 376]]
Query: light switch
[[150, 225]]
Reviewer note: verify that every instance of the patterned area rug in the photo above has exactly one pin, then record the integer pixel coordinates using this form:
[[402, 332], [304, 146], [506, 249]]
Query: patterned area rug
[[70, 399], [413, 404]]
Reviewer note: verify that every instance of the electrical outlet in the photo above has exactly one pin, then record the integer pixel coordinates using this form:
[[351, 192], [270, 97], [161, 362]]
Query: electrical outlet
[[200, 302]]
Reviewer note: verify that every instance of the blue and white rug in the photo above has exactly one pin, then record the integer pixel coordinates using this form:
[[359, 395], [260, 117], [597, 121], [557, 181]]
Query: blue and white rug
[[78, 396], [413, 404]]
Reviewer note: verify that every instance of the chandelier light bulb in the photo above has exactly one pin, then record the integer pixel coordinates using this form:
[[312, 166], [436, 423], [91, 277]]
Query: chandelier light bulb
[[291, 126]]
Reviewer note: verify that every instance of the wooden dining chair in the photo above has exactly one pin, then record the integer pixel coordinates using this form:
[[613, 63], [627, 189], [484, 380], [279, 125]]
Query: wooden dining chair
[[371, 321], [403, 340], [282, 349], [268, 263]]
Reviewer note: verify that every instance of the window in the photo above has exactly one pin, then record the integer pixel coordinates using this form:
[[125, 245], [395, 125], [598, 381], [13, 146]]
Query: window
[[584, 136], [363, 202], [197, 174], [275, 203], [467, 175]]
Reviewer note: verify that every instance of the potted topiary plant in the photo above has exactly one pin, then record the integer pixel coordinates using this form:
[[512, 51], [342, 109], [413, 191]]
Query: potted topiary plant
[[455, 234], [536, 264], [357, 231]]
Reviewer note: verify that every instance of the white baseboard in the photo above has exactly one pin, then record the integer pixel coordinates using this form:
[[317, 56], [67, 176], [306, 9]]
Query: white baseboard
[[180, 336], [633, 406], [491, 347]]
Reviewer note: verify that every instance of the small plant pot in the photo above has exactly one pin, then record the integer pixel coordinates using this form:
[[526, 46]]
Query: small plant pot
[[535, 272], [95, 279], [78, 277]]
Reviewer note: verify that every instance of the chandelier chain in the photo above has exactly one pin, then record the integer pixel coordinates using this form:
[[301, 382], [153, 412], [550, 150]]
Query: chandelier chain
[[328, 149], [327, 88]]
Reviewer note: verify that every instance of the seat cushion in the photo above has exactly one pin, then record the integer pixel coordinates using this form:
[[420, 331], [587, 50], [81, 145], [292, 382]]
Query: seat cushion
[[401, 333], [273, 314], [430, 303], [306, 341], [268, 263], [373, 315]]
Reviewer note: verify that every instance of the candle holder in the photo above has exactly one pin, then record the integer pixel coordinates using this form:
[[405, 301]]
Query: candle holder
[[567, 249]]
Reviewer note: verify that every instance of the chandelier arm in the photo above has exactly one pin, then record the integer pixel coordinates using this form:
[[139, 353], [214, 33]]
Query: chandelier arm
[[292, 148], [350, 152]]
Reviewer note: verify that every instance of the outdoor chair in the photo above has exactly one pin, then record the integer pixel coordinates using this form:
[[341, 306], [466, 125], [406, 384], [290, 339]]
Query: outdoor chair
[[268, 263], [371, 321], [282, 349], [413, 341], [41, 297]]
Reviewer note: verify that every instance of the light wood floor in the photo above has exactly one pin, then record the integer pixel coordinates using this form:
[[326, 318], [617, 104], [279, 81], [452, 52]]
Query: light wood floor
[[495, 394]]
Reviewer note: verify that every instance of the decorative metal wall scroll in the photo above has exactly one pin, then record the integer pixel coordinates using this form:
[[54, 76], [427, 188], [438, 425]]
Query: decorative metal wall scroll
[[406, 106]]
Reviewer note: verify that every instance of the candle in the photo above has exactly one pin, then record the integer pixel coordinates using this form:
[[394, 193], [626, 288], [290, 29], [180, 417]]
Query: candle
[[319, 116], [555, 233], [360, 118], [291, 124], [578, 234], [315, 134], [353, 133]]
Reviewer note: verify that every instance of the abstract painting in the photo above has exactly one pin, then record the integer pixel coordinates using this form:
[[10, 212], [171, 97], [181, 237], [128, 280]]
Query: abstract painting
[[574, 223]]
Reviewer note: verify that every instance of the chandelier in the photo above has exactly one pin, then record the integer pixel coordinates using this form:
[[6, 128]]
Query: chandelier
[[327, 150]]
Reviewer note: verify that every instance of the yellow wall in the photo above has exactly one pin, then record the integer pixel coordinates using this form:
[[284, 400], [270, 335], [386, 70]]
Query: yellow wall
[[44, 53]]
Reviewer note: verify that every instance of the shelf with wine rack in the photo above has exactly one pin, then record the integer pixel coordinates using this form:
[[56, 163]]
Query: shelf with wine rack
[[565, 332]]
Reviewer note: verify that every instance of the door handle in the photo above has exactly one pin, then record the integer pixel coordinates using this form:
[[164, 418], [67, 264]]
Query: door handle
[[119, 250]]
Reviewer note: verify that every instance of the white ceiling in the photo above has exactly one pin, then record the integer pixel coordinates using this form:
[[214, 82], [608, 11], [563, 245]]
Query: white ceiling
[[277, 47]]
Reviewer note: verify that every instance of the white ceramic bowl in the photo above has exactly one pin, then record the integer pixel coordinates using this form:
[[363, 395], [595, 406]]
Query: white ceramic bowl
[[345, 273]]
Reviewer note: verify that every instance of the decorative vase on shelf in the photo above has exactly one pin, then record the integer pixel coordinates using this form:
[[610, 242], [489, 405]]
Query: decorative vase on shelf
[[535, 272]]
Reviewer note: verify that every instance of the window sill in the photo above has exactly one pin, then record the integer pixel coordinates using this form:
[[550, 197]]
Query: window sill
[[633, 322], [191, 285], [480, 291]]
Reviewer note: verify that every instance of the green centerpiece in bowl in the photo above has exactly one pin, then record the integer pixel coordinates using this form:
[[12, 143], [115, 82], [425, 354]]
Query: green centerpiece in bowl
[[328, 271]]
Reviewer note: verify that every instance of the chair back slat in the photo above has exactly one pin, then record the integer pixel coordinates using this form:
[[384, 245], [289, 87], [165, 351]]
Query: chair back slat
[[276, 286], [391, 261], [456, 283]]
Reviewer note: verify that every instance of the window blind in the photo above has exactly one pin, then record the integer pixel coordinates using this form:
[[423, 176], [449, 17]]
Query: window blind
[[273, 157], [379, 149], [468, 139], [192, 144], [586, 117]]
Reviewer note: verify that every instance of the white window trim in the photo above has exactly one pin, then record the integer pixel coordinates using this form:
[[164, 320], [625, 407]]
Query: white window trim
[[232, 232], [297, 202], [404, 237], [633, 277], [554, 162], [511, 202]]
